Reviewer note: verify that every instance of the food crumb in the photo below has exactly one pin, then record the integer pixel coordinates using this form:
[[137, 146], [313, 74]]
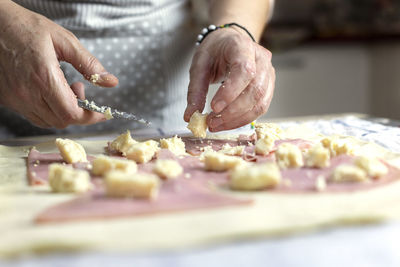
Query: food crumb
[[187, 176], [94, 78]]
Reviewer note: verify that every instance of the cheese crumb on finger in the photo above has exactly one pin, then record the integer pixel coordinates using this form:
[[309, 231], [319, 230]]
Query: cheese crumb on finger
[[215, 161], [372, 166], [123, 142], [167, 168], [174, 144], [198, 124], [104, 164], [289, 156], [137, 185], [66, 179], [71, 151], [255, 177]]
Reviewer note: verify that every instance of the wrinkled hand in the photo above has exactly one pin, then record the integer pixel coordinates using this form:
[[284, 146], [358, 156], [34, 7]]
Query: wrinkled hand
[[229, 55], [31, 81]]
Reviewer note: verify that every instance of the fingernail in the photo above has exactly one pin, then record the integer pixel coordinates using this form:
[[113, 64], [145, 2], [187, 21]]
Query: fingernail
[[219, 106]]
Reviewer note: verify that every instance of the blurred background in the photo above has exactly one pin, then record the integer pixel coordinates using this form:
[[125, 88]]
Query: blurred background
[[335, 56]]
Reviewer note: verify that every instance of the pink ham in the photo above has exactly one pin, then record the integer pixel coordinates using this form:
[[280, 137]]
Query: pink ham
[[196, 192], [201, 190]]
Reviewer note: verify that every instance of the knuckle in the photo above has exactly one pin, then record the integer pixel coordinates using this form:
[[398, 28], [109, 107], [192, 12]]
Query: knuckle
[[68, 118], [247, 67], [258, 92], [91, 61], [260, 108]]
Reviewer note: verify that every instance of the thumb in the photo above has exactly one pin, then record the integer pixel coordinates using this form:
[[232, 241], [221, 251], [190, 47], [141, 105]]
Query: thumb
[[79, 89], [69, 49], [198, 85]]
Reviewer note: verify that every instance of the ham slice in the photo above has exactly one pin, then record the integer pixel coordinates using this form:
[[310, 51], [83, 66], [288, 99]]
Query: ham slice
[[194, 189], [196, 192]]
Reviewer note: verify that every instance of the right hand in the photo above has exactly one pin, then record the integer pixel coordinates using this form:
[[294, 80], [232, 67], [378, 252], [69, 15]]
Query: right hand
[[31, 81]]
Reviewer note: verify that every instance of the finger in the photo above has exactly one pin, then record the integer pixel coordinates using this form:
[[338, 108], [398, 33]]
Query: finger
[[245, 102], [79, 89], [62, 101], [241, 70], [198, 85], [69, 49], [89, 117], [37, 121], [248, 106]]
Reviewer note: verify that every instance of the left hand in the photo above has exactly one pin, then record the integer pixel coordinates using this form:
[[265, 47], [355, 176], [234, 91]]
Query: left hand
[[230, 55]]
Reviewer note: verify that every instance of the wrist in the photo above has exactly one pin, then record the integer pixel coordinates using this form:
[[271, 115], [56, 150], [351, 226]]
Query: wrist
[[229, 26]]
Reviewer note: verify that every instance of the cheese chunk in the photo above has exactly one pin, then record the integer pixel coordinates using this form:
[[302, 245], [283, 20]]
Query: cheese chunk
[[167, 168], [138, 185], [265, 145], [108, 114], [271, 129], [289, 156], [372, 166], [174, 144], [65, 179], [104, 164], [215, 161], [317, 157], [71, 151], [337, 146], [349, 173], [232, 150], [198, 124], [143, 152], [123, 142], [255, 177]]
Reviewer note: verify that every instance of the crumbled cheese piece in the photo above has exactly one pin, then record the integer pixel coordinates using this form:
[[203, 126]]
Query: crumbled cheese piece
[[123, 142], [337, 146], [187, 175], [320, 183], [167, 168], [140, 185], [94, 78], [265, 145], [104, 164], [108, 114], [289, 156], [215, 161], [143, 152], [71, 151], [66, 179], [255, 177], [349, 173], [198, 124], [373, 166], [174, 144], [232, 150], [317, 157], [271, 129]]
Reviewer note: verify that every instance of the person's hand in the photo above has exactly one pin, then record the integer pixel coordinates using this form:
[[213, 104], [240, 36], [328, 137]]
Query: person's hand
[[31, 81], [229, 55]]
